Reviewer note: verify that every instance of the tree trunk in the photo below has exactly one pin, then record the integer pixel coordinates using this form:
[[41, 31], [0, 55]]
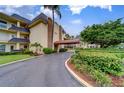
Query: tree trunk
[[52, 27]]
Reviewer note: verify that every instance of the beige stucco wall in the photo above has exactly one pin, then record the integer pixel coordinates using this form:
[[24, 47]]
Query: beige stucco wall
[[56, 32], [39, 33], [8, 47], [6, 36], [63, 36]]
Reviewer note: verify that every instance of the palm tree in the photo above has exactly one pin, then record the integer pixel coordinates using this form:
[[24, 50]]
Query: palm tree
[[54, 9]]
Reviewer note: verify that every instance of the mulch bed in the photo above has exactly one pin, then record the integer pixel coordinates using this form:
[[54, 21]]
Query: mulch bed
[[116, 81]]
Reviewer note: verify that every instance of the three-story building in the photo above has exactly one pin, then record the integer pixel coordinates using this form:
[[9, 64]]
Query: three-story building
[[13, 33], [17, 33]]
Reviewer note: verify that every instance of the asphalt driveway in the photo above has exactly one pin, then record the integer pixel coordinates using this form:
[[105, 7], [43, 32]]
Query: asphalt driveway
[[44, 71]]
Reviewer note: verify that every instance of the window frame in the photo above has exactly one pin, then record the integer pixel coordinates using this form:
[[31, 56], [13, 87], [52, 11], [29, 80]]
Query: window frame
[[2, 49], [3, 24]]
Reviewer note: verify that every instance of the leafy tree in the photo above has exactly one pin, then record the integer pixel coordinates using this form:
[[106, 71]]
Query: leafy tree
[[54, 9], [109, 33], [67, 36]]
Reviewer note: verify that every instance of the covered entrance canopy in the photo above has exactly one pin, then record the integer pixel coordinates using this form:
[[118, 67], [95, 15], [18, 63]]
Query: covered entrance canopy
[[74, 41], [62, 42]]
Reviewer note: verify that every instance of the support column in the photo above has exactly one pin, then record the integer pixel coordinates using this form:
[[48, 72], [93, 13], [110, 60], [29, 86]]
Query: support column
[[58, 48], [18, 24], [17, 46], [18, 36]]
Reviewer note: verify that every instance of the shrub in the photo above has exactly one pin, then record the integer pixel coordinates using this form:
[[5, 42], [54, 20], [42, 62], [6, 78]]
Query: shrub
[[9, 53], [107, 65], [47, 50], [62, 50], [27, 51], [98, 65], [16, 52], [101, 78]]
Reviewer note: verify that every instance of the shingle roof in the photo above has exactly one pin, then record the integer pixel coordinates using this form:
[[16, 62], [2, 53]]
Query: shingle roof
[[21, 40], [40, 16], [21, 18], [13, 27]]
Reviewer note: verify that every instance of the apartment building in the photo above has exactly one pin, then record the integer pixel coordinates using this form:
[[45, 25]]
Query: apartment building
[[14, 34], [17, 33], [41, 31]]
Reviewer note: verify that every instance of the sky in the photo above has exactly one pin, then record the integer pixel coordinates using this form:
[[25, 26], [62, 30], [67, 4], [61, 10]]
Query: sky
[[74, 17]]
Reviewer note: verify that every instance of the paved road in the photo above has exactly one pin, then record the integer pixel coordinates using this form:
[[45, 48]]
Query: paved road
[[44, 71]]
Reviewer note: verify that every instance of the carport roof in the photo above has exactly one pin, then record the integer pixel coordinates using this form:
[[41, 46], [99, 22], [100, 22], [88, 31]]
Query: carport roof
[[74, 41]]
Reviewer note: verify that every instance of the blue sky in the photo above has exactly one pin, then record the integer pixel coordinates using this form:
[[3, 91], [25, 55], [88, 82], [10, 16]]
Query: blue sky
[[74, 17]]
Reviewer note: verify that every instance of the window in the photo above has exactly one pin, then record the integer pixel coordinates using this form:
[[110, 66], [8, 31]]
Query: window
[[2, 48], [3, 25], [13, 36]]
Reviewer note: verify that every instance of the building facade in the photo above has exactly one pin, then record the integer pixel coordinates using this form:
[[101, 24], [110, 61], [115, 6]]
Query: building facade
[[13, 33], [87, 45], [17, 33]]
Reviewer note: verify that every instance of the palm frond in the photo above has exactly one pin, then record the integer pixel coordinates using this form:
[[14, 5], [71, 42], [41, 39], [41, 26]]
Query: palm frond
[[58, 13]]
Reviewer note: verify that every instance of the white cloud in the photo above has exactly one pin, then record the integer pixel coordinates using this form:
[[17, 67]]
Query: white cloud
[[10, 9], [18, 6], [77, 21], [76, 9], [108, 7], [19, 9]]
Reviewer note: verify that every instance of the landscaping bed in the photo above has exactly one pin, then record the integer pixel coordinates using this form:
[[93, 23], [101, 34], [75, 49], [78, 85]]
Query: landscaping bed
[[99, 67], [83, 76]]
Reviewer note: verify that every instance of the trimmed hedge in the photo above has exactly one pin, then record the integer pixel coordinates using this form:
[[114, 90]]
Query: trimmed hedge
[[8, 53], [48, 50], [16, 53], [62, 50]]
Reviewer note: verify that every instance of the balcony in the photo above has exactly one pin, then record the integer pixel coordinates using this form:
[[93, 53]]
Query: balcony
[[21, 29]]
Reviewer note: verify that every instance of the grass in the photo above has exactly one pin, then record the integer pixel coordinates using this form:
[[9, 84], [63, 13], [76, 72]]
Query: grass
[[111, 53], [10, 58]]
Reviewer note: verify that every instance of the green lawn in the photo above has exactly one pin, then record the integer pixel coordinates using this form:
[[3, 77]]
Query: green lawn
[[111, 53], [10, 58]]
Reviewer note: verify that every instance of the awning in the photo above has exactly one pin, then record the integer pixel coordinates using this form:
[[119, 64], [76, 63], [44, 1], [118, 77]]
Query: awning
[[74, 41]]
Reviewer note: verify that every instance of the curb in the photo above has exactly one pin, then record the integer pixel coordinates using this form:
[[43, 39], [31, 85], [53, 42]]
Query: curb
[[80, 80], [17, 61]]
